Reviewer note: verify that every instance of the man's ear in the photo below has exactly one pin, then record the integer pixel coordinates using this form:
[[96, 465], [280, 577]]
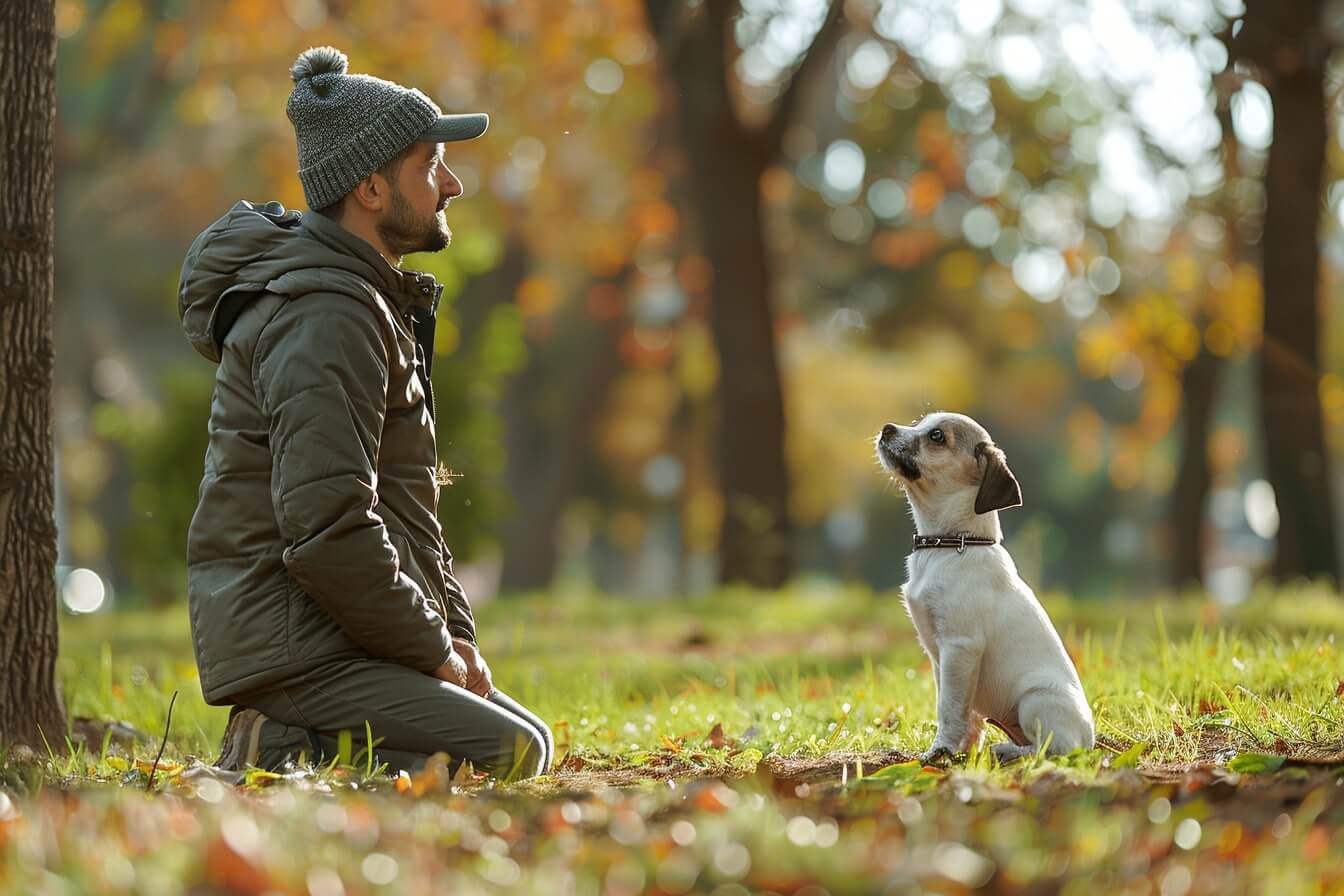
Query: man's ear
[[998, 486], [370, 192]]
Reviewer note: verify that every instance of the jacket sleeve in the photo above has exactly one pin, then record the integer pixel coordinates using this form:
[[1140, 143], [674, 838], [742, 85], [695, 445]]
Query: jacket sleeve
[[321, 374], [461, 622]]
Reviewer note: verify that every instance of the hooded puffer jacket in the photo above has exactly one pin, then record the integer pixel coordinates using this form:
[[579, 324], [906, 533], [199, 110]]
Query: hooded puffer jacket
[[315, 538]]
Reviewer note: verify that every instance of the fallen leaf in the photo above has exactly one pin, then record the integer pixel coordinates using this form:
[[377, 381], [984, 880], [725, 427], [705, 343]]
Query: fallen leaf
[[1255, 763], [433, 776], [716, 738], [912, 776], [164, 768], [712, 798], [1176, 729], [1129, 758], [232, 872], [465, 773]]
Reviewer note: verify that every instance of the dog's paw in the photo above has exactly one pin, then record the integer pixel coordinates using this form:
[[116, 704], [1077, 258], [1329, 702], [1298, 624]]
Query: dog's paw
[[941, 757], [1007, 754]]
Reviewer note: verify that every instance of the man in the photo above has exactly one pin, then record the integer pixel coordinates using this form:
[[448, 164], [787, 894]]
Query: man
[[321, 592]]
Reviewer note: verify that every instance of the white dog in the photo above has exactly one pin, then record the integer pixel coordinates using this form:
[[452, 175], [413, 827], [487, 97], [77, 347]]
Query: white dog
[[996, 657]]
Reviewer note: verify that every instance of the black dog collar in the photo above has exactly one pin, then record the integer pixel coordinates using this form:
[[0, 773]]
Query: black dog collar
[[961, 542]]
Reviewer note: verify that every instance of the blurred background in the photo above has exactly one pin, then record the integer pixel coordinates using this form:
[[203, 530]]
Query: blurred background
[[708, 248]]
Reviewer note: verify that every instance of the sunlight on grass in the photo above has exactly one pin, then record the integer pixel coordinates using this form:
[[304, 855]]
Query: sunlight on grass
[[781, 710]]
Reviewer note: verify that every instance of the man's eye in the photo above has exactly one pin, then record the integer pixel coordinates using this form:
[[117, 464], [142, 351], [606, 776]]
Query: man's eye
[[936, 435]]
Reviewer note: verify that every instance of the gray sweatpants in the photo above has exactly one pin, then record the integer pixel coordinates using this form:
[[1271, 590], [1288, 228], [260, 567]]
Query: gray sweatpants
[[411, 715]]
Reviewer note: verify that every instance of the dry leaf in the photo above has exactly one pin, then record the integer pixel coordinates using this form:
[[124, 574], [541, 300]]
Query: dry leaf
[[434, 776], [716, 738], [465, 774], [231, 872]]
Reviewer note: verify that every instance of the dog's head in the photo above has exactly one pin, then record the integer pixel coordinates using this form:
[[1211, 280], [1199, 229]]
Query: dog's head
[[945, 453]]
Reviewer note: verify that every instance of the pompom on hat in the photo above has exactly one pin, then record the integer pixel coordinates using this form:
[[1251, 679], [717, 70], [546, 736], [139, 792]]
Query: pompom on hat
[[349, 126]]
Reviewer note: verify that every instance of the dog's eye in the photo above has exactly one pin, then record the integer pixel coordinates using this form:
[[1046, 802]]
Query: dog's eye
[[936, 435]]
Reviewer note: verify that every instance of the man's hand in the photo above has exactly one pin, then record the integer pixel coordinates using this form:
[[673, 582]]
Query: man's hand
[[479, 681], [454, 671]]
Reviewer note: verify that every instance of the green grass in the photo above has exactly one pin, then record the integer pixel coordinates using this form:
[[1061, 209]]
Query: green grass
[[769, 713]]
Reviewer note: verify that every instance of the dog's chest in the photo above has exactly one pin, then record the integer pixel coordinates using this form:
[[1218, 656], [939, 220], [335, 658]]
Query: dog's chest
[[919, 603]]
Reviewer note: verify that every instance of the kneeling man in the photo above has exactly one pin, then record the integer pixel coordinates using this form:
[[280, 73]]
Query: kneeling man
[[321, 591]]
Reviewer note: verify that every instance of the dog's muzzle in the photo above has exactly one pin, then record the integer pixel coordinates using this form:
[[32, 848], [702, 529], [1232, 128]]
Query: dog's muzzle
[[894, 452]]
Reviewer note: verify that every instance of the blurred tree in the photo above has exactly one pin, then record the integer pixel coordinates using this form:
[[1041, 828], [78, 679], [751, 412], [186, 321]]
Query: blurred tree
[[549, 411], [1290, 47], [30, 703], [728, 157], [1200, 378], [165, 443]]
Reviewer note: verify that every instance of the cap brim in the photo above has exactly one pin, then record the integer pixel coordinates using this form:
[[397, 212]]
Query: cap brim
[[456, 127]]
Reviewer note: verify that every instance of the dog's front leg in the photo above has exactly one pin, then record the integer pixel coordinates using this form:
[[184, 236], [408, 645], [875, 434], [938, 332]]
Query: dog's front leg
[[958, 670]]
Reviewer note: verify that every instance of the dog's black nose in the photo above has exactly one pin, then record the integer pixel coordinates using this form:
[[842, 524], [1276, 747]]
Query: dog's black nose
[[889, 430]]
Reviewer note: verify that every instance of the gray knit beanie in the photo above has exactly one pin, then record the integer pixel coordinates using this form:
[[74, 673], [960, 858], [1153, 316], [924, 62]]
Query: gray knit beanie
[[349, 126]]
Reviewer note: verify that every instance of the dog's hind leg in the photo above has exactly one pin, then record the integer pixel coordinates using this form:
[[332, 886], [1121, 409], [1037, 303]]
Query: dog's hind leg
[[1050, 718]]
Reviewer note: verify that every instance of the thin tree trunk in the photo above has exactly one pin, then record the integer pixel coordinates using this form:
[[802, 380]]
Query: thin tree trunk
[[1199, 389], [1297, 459], [754, 543], [727, 159], [1199, 393], [30, 703], [549, 409]]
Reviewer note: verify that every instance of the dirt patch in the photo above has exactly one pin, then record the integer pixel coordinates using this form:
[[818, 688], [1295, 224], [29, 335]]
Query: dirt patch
[[833, 767], [575, 774]]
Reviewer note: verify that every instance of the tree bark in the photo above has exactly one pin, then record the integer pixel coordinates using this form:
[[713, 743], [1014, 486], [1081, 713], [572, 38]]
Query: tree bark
[[1194, 478], [549, 409], [727, 160], [1297, 459], [30, 704], [754, 543]]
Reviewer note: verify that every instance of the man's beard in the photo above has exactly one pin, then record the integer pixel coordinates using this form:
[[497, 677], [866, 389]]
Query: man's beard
[[403, 233]]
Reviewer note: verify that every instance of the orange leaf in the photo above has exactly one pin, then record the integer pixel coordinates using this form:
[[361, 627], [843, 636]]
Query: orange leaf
[[708, 799], [232, 873]]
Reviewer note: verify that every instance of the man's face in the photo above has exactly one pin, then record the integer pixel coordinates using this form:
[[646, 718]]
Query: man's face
[[423, 186]]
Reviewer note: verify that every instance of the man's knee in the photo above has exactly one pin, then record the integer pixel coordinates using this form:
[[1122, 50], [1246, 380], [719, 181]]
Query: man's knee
[[527, 758]]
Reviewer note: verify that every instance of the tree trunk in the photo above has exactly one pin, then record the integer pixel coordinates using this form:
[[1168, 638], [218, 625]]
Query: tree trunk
[[1297, 459], [753, 476], [30, 703], [726, 164], [1199, 389], [549, 409]]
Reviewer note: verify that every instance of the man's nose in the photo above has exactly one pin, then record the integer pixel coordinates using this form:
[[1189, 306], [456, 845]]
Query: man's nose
[[450, 185]]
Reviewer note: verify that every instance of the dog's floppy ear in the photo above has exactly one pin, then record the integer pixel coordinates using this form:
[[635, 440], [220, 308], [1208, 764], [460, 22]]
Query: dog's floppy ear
[[998, 486]]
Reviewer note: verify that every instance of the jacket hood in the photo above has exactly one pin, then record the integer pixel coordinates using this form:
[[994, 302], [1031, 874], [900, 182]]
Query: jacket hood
[[266, 248]]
